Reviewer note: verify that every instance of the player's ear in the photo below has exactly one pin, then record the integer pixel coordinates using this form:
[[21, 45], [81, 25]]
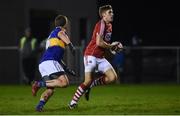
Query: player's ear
[[103, 14]]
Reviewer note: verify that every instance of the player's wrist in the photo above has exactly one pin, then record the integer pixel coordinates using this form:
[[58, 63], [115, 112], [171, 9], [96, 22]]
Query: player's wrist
[[72, 48]]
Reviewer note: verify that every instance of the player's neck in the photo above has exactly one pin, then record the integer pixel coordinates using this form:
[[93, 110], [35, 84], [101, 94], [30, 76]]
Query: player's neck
[[62, 28], [107, 22]]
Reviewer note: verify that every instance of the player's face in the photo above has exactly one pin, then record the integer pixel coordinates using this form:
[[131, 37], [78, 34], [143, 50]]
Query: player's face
[[108, 15]]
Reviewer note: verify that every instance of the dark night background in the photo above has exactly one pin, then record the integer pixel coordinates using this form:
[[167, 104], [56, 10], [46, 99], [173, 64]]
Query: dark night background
[[156, 22], [148, 71]]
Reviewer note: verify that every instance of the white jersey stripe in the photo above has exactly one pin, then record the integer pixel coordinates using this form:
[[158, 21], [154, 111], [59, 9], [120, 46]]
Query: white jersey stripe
[[101, 32], [102, 28]]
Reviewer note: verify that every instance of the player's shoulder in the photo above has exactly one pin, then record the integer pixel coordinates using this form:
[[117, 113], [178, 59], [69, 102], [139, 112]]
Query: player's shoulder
[[99, 24], [58, 30]]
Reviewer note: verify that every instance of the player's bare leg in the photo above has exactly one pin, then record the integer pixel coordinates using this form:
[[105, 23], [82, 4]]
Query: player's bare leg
[[111, 76], [61, 81], [44, 98]]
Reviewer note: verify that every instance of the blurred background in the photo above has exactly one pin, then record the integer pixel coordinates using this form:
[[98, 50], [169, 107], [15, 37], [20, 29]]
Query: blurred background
[[149, 30]]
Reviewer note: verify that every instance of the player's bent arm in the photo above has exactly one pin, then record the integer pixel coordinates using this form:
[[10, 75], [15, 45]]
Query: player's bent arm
[[66, 39], [101, 43]]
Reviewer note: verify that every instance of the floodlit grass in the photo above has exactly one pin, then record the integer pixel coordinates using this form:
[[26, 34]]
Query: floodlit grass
[[112, 99]]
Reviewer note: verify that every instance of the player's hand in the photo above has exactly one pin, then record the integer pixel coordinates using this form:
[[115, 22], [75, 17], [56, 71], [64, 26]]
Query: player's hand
[[120, 46], [114, 45]]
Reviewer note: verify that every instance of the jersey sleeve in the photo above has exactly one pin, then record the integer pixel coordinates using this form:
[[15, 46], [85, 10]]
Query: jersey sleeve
[[101, 28]]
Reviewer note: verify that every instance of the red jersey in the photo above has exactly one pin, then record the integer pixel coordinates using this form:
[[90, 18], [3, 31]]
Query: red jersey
[[103, 29]]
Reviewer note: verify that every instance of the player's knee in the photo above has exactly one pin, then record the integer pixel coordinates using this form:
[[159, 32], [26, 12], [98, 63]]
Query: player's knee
[[50, 92], [115, 77], [63, 83], [46, 97], [112, 78]]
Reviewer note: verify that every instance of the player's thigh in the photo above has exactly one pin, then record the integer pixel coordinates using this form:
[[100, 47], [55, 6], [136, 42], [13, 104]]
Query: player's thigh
[[59, 79], [63, 80], [111, 75], [105, 67], [89, 63]]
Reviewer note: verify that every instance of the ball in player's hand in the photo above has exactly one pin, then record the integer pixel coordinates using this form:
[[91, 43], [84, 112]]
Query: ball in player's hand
[[117, 47]]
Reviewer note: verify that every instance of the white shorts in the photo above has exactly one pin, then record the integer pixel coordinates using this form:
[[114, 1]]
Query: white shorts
[[49, 67], [90, 63]]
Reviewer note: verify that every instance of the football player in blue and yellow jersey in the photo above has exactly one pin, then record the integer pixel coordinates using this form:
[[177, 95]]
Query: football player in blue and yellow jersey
[[50, 67]]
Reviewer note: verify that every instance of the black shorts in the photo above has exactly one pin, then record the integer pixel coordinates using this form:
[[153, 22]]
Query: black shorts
[[53, 76]]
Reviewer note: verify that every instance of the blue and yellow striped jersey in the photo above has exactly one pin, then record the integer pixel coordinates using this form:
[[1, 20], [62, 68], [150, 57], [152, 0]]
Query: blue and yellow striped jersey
[[54, 47]]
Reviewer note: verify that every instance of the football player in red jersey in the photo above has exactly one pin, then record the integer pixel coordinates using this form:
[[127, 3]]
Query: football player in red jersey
[[94, 56]]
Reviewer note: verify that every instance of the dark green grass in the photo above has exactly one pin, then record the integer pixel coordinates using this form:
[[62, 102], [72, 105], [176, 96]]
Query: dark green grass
[[111, 99]]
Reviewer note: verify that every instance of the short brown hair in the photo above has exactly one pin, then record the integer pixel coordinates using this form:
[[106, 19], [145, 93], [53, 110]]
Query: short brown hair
[[61, 20], [103, 9]]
